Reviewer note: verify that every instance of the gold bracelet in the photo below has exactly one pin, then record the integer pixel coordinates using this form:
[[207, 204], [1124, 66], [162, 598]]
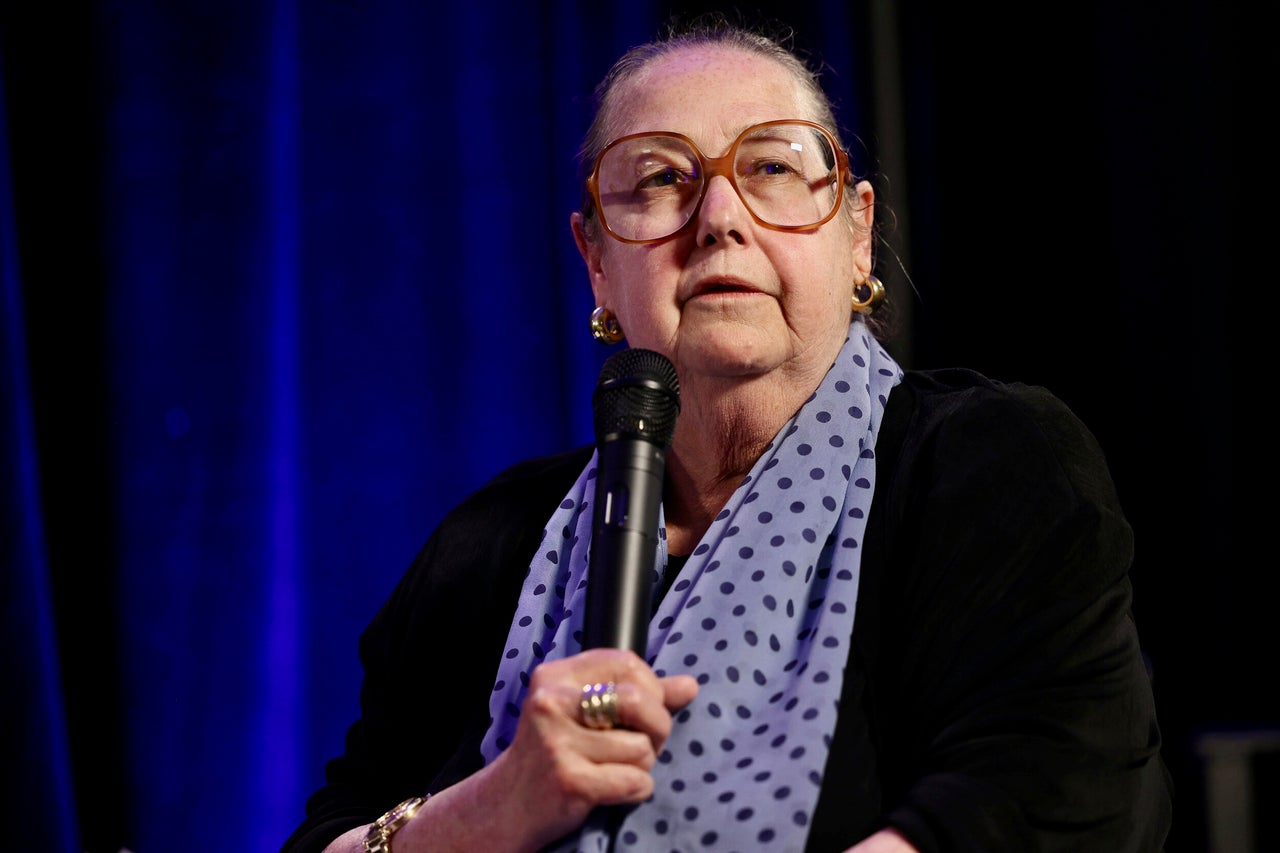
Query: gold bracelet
[[378, 838]]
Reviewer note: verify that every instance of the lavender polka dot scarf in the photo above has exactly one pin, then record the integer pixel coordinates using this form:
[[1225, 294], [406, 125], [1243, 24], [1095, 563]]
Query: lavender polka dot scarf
[[761, 614]]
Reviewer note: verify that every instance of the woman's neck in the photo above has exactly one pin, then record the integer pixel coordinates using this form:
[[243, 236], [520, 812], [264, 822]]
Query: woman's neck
[[719, 436]]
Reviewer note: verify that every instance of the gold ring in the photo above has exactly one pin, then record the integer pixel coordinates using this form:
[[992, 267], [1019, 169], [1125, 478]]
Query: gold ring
[[599, 706]]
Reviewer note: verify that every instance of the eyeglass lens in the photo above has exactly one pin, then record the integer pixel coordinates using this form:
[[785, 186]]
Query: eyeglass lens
[[651, 185]]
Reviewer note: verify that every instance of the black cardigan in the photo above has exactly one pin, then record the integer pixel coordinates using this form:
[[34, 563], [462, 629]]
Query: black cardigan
[[995, 696]]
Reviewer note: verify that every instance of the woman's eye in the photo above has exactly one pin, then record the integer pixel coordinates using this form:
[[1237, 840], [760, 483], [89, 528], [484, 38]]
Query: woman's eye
[[664, 178], [771, 167]]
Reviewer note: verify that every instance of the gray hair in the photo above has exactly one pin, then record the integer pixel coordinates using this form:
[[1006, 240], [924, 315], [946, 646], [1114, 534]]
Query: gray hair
[[713, 30]]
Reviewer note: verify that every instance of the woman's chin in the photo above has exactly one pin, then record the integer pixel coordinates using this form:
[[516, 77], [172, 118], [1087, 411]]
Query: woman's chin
[[730, 353]]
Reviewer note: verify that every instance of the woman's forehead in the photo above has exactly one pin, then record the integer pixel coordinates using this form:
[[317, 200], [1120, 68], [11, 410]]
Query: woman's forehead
[[707, 91]]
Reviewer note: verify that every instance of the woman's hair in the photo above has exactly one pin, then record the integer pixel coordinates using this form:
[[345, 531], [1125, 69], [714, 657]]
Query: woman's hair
[[712, 29]]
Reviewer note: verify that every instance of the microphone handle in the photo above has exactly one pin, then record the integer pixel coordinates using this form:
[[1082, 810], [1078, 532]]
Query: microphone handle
[[624, 545]]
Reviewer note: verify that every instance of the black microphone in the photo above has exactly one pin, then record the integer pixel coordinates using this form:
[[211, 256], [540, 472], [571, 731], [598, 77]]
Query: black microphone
[[636, 401]]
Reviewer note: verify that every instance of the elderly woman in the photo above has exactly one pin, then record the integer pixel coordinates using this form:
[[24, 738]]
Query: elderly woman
[[892, 608]]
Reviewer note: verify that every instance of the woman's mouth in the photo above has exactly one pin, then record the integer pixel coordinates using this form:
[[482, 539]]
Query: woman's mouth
[[723, 287]]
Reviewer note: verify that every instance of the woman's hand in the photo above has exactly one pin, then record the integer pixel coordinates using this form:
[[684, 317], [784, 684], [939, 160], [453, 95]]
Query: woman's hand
[[557, 769]]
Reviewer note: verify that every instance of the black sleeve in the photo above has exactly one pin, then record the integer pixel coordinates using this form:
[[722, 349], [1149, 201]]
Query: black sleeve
[[1010, 699], [438, 637]]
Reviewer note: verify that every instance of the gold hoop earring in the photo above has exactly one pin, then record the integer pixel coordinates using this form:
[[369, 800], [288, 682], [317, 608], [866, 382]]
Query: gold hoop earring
[[604, 326], [868, 295]]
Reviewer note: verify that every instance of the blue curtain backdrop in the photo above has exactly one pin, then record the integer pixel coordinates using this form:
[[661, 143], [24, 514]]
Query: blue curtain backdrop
[[283, 281]]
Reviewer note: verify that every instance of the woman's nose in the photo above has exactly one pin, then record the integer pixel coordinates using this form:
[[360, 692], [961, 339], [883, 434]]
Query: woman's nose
[[722, 214]]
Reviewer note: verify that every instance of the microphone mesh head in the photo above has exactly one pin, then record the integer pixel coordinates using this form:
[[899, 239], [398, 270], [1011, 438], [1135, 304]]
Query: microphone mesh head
[[637, 396]]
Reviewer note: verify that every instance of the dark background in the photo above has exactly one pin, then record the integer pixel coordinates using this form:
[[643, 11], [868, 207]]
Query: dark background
[[284, 281]]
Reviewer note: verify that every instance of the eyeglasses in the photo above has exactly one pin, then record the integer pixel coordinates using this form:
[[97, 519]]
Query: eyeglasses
[[790, 175]]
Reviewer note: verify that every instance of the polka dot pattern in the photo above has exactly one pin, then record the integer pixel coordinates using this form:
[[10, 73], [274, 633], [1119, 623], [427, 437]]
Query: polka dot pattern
[[761, 615]]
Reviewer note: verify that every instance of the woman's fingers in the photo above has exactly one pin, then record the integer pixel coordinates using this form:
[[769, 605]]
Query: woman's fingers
[[559, 761], [593, 777], [614, 684], [678, 691], [582, 762], [634, 749], [639, 699], [619, 666]]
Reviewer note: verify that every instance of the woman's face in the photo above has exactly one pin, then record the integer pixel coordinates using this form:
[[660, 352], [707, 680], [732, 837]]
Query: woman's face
[[727, 297]]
